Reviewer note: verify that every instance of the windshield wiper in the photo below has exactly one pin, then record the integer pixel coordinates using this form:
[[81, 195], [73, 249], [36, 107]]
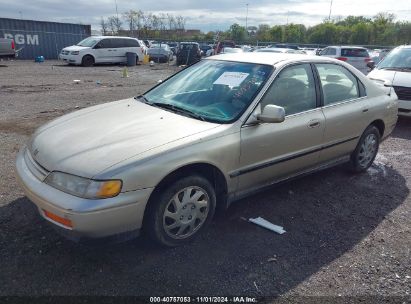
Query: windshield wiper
[[142, 99], [176, 109]]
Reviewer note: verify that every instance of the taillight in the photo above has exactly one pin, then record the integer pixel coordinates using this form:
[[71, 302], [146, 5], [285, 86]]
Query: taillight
[[12, 44], [368, 59], [342, 58]]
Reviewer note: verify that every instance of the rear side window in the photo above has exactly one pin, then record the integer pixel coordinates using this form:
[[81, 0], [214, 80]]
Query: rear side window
[[116, 43], [347, 52], [131, 43], [338, 84]]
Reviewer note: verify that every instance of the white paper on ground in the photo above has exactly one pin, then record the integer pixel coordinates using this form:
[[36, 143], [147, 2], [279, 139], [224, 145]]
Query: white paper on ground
[[231, 79], [266, 224]]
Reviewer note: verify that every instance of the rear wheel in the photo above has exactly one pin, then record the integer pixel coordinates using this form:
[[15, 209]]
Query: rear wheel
[[87, 61], [181, 211], [366, 150]]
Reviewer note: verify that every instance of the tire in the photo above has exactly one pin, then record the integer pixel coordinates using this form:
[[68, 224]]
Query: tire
[[87, 61], [366, 150], [174, 219]]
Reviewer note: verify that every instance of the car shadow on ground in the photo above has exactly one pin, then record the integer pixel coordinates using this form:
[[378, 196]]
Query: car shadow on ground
[[325, 215], [403, 128]]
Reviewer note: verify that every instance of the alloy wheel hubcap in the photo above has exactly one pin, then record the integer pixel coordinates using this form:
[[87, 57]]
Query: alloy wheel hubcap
[[186, 212], [368, 150]]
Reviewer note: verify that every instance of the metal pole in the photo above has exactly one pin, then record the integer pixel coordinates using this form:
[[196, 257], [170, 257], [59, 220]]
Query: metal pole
[[329, 16], [115, 2], [246, 19]]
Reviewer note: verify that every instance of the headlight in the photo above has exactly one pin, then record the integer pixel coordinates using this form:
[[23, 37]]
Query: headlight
[[84, 187], [75, 53]]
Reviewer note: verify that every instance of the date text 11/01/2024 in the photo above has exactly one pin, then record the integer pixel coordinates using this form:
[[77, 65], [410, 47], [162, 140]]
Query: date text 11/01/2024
[[203, 299]]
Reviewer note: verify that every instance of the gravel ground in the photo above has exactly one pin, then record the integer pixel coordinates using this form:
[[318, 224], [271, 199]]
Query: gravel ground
[[347, 235]]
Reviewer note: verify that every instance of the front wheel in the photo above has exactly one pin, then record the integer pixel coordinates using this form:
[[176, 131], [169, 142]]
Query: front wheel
[[366, 150], [87, 61], [181, 211]]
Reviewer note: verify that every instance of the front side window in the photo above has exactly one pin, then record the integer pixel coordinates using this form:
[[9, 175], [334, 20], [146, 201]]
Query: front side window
[[293, 89], [104, 44], [213, 90], [338, 84]]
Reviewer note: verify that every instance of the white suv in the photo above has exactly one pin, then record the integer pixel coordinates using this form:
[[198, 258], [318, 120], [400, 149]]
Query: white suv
[[395, 69], [358, 57], [102, 49]]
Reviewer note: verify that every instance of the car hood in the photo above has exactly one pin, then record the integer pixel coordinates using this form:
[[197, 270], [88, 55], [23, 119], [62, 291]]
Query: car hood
[[397, 78], [74, 48], [88, 141]]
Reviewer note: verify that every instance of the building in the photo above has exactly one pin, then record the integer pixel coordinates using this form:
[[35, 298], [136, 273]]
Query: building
[[42, 38]]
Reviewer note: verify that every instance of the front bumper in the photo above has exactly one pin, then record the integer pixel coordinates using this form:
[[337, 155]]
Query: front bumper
[[90, 218], [73, 59]]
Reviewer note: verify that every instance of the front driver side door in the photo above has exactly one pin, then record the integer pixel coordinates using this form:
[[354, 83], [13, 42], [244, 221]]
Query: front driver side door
[[275, 151]]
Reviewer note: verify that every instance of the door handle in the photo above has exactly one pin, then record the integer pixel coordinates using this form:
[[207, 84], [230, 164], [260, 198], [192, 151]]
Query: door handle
[[364, 110], [314, 123]]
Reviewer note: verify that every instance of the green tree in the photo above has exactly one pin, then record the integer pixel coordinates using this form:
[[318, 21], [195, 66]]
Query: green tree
[[360, 34], [237, 32], [277, 33]]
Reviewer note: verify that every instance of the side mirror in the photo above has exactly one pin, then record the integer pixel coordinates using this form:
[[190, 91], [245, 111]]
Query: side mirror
[[97, 46], [371, 64], [272, 114]]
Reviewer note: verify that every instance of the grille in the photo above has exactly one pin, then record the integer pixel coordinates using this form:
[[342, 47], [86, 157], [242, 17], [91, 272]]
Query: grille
[[403, 93], [35, 168]]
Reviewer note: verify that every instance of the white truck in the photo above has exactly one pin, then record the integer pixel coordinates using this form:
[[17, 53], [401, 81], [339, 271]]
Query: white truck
[[7, 48]]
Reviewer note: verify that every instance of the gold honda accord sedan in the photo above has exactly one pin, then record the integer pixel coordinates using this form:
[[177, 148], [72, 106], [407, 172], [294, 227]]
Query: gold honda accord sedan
[[219, 130]]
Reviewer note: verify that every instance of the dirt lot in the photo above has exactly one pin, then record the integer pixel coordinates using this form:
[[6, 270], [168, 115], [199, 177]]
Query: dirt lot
[[347, 235]]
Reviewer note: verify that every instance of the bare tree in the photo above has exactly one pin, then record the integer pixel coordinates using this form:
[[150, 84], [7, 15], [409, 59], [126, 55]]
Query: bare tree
[[104, 26], [114, 24]]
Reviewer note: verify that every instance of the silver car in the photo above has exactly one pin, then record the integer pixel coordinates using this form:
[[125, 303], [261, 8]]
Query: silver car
[[357, 56], [213, 133]]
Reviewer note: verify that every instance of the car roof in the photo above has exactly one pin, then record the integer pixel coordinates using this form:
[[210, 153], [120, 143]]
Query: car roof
[[112, 37], [269, 58], [348, 47]]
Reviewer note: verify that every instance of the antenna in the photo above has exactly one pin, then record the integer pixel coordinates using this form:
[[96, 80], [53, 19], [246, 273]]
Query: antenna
[[246, 18]]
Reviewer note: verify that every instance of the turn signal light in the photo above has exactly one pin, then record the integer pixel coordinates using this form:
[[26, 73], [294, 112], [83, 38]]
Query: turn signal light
[[58, 219]]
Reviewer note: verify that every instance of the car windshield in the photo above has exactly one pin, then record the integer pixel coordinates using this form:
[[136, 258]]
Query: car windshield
[[397, 59], [157, 46], [88, 42], [212, 90]]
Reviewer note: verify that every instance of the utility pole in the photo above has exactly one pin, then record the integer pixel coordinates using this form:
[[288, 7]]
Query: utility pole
[[21, 14], [329, 16], [115, 2], [246, 19]]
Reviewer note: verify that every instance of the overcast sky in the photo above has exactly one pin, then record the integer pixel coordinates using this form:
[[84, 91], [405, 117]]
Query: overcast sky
[[204, 14]]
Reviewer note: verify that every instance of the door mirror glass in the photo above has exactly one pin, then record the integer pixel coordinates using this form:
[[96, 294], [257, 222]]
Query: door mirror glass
[[371, 64], [272, 114]]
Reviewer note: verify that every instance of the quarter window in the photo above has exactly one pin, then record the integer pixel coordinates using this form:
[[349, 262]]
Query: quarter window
[[293, 89], [338, 84]]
